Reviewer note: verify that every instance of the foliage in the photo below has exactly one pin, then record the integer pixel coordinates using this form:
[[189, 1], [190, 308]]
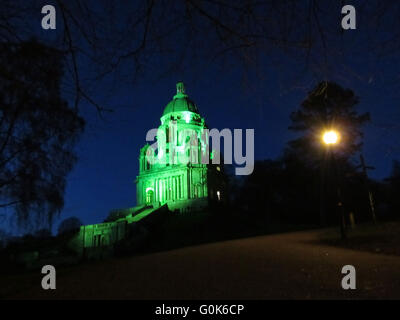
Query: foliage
[[43, 234], [37, 132], [301, 186], [327, 107], [393, 191], [69, 225]]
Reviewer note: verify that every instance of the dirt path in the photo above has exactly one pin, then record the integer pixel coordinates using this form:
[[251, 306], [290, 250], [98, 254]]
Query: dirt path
[[288, 266]]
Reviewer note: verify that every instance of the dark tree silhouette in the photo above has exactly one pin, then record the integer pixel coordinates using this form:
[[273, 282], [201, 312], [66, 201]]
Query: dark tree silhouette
[[327, 107], [283, 191], [68, 225], [394, 190], [3, 238], [42, 234], [37, 132]]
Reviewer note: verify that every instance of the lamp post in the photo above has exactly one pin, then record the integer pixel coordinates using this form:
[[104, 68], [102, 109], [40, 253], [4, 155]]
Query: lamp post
[[364, 168], [331, 138]]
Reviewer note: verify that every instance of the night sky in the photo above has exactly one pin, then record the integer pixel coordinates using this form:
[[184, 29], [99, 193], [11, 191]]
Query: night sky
[[103, 178]]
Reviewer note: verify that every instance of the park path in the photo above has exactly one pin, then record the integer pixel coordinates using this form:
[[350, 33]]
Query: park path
[[284, 266]]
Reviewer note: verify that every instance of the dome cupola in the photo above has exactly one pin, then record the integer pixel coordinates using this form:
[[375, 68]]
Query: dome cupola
[[180, 102]]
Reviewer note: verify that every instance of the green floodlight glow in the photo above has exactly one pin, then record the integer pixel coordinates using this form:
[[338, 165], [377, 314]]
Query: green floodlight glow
[[176, 175], [186, 116], [170, 178]]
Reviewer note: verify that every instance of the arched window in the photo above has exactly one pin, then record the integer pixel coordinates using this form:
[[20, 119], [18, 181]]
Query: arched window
[[149, 196]]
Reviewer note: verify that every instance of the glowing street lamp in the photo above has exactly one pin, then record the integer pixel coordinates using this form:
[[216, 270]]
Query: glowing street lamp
[[330, 137]]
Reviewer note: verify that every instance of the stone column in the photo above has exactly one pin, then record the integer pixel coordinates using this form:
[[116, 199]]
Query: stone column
[[175, 191], [171, 182], [165, 188], [161, 189], [158, 190], [172, 188], [155, 190], [179, 186], [188, 186], [176, 187], [168, 193]]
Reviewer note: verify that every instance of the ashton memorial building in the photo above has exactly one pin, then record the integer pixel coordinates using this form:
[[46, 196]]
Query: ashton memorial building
[[175, 175], [178, 172]]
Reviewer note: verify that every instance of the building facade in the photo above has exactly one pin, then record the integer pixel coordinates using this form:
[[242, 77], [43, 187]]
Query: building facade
[[176, 174], [177, 170]]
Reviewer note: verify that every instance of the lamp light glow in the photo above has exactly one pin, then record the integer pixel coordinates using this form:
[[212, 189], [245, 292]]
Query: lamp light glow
[[330, 137]]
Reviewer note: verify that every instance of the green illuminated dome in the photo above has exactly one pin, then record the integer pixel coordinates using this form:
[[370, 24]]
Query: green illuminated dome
[[180, 102]]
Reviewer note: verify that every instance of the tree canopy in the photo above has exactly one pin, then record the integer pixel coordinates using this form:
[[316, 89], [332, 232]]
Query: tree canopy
[[327, 107], [38, 131], [70, 224]]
